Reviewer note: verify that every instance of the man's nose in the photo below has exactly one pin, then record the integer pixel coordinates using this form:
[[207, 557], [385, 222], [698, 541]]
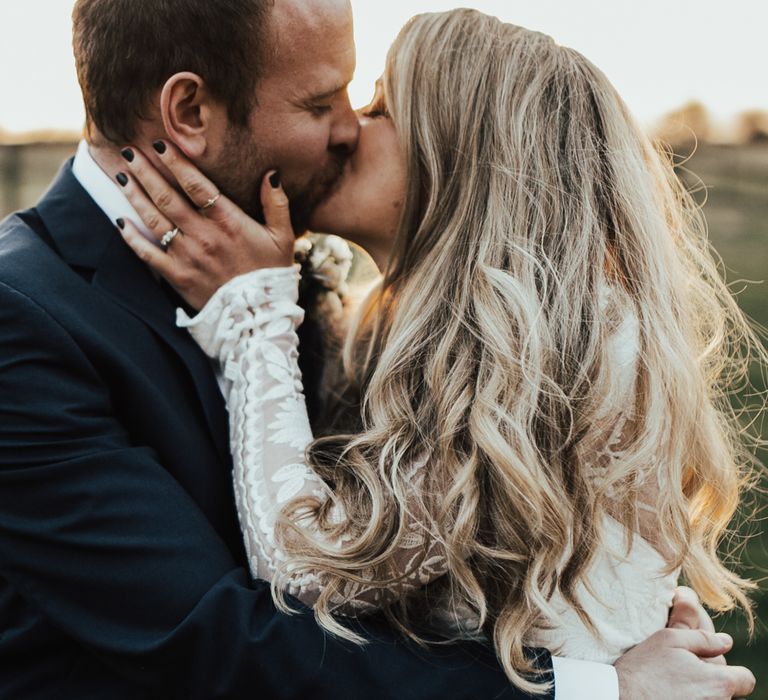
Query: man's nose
[[345, 130]]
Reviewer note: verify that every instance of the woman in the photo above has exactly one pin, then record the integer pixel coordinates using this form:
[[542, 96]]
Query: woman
[[540, 437]]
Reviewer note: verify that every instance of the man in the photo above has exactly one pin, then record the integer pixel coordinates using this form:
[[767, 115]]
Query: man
[[123, 574]]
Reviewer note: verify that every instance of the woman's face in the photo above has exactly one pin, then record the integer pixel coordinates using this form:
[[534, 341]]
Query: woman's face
[[366, 204]]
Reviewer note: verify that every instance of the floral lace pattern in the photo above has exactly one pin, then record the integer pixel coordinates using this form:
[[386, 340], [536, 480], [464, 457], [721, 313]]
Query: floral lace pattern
[[249, 326]]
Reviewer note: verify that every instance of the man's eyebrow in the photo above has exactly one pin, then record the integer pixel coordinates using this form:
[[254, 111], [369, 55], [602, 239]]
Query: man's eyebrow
[[328, 93]]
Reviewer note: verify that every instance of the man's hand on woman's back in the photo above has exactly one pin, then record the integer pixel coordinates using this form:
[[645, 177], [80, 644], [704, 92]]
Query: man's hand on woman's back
[[685, 661]]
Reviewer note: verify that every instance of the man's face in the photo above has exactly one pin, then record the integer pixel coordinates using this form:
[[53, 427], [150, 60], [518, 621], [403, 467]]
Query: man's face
[[303, 124]]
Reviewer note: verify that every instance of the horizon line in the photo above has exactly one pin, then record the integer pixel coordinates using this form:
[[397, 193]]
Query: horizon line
[[721, 126]]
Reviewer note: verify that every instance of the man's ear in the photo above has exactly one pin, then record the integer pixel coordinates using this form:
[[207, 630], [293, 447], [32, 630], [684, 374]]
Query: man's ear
[[191, 117]]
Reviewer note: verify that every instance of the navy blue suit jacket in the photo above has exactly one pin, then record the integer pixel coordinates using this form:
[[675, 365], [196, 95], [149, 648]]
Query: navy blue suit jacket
[[122, 571]]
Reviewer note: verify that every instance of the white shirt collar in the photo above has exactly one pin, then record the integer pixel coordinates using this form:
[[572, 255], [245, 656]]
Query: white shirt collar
[[104, 191]]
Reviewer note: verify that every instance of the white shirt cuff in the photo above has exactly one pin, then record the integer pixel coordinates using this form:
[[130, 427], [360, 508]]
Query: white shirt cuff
[[584, 680]]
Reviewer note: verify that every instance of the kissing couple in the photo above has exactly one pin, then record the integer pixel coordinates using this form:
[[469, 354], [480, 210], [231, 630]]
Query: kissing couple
[[516, 448]]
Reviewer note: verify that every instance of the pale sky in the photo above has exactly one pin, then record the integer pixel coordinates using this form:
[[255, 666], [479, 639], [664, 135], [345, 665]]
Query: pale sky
[[658, 53]]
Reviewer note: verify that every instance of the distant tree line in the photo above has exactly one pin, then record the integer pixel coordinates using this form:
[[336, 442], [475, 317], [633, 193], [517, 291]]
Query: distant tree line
[[753, 126], [693, 123]]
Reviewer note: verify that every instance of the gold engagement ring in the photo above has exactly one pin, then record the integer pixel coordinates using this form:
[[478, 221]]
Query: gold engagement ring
[[211, 202]]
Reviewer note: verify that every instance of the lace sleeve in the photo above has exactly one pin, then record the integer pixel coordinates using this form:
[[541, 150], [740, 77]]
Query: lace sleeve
[[249, 326]]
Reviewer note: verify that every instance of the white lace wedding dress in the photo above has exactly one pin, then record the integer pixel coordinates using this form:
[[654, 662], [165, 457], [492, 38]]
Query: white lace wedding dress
[[249, 327]]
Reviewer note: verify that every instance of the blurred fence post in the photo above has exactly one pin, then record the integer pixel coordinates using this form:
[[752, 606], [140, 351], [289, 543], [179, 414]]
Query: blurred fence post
[[10, 177], [26, 170]]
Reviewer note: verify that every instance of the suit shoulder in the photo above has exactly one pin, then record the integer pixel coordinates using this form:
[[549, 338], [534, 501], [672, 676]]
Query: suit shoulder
[[23, 234], [28, 258]]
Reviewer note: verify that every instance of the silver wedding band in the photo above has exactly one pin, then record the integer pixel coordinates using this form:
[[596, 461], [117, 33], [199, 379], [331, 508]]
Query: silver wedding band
[[211, 202], [168, 237]]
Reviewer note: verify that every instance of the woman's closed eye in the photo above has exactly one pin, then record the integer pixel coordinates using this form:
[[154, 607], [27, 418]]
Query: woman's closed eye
[[375, 109], [375, 113], [378, 105]]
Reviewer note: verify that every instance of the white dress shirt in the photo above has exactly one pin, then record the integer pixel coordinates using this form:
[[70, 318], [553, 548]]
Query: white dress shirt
[[574, 679], [105, 191]]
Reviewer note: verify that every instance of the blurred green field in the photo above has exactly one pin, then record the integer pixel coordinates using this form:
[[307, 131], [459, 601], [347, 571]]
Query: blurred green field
[[736, 208], [737, 212]]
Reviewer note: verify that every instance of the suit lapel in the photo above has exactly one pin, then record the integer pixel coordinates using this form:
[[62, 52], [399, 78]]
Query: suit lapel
[[88, 240], [129, 282]]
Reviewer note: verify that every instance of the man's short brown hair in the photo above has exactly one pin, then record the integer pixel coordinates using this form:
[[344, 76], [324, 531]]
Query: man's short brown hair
[[125, 50]]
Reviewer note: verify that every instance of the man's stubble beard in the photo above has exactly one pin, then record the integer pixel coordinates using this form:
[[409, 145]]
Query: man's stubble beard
[[242, 166], [239, 170]]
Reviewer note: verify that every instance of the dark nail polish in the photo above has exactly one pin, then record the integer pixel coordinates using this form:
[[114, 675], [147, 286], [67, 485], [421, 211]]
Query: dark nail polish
[[127, 153], [121, 224], [122, 178], [274, 179], [159, 146]]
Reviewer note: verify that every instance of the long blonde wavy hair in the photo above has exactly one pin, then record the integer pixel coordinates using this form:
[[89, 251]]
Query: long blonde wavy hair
[[485, 347]]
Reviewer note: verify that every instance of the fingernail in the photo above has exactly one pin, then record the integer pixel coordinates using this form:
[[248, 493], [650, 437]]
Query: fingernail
[[724, 638], [127, 153], [274, 179], [159, 146], [122, 178], [121, 224]]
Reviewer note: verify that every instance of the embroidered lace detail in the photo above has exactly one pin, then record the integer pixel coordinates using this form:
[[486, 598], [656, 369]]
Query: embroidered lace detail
[[249, 326]]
